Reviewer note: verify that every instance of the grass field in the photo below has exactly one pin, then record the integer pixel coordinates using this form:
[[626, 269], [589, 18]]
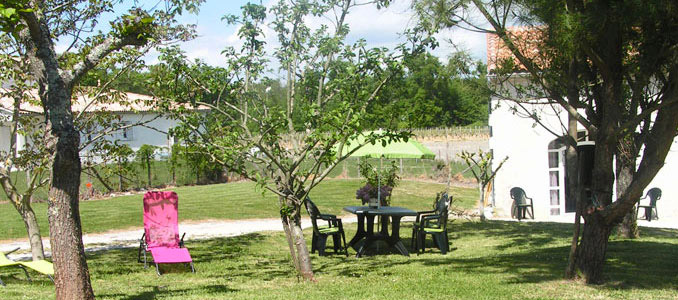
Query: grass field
[[239, 200], [409, 169], [492, 260]]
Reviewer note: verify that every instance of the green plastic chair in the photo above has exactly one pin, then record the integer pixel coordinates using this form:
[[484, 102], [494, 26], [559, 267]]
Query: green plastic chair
[[650, 210], [432, 222], [321, 232], [40, 266], [520, 203]]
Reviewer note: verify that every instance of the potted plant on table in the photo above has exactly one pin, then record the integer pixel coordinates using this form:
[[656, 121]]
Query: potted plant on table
[[379, 183]]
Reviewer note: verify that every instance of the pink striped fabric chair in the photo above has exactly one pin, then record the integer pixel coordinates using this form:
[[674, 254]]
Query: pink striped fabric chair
[[161, 231]]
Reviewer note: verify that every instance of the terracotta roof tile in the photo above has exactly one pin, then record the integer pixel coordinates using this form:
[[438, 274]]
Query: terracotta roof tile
[[527, 39]]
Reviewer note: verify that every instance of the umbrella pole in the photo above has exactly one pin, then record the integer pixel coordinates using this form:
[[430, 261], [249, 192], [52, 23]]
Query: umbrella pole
[[379, 182]]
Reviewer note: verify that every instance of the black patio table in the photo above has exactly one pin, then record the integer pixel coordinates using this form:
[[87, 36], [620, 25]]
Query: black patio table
[[368, 234]]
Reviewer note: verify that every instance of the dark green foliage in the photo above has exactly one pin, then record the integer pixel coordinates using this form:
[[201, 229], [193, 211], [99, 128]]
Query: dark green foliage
[[146, 156], [427, 94], [431, 94]]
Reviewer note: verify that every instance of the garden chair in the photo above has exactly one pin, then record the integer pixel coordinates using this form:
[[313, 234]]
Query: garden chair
[[415, 225], [161, 231], [651, 209], [333, 228], [434, 223], [41, 266], [520, 203]]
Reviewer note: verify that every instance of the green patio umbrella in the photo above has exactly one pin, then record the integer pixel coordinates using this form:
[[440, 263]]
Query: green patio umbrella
[[402, 149]]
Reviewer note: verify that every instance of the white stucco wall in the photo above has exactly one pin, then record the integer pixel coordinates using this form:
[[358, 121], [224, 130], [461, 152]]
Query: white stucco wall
[[153, 131], [5, 118], [667, 181], [4, 137], [526, 145]]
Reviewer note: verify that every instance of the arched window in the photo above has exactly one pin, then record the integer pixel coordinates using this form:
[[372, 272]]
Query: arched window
[[556, 151]]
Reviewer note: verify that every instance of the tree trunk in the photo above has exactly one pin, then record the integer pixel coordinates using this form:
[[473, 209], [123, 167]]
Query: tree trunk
[[68, 253], [148, 167], [573, 190], [291, 221], [591, 253], [303, 257], [33, 230], [101, 179], [290, 239], [625, 166], [120, 179], [481, 202]]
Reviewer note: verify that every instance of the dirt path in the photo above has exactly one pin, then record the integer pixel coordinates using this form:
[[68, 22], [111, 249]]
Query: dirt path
[[206, 229], [194, 231]]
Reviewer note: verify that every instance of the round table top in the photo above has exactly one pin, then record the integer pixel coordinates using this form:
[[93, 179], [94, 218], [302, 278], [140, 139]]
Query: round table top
[[381, 211]]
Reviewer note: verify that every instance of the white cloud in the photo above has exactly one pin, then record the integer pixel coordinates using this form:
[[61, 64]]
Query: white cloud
[[379, 27]]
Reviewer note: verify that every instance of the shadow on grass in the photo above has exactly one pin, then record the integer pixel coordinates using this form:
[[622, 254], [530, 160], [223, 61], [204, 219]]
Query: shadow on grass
[[156, 292], [518, 253], [535, 252]]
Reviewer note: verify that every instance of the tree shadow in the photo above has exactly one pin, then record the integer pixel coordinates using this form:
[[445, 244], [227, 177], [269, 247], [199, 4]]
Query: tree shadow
[[516, 234], [159, 291], [526, 252], [533, 252]]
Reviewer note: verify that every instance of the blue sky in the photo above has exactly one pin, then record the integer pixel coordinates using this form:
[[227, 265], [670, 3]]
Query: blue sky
[[380, 28]]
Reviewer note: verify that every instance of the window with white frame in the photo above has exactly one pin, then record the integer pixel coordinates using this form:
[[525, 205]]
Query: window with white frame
[[556, 161]]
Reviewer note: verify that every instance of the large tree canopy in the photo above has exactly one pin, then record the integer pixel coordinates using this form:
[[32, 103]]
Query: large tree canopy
[[287, 145], [32, 29], [618, 61]]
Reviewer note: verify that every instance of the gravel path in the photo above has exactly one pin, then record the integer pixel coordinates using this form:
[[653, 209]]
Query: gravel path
[[219, 228], [194, 231]]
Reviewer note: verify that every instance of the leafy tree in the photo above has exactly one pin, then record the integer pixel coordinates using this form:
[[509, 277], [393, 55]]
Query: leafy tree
[[287, 146], [34, 26], [32, 158], [146, 156], [201, 164], [174, 161], [431, 94], [621, 67], [379, 181], [480, 164]]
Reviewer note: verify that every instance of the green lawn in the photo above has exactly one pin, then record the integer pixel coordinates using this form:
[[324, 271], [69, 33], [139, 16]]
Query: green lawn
[[493, 260], [240, 200], [411, 169]]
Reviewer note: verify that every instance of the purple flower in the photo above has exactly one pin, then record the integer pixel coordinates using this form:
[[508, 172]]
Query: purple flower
[[368, 191]]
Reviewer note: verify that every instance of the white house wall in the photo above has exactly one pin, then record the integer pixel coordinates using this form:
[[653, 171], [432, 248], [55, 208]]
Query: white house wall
[[154, 132], [155, 135], [4, 138], [525, 143], [666, 180]]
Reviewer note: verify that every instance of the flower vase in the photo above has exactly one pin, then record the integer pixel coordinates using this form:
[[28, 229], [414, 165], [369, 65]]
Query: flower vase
[[373, 202]]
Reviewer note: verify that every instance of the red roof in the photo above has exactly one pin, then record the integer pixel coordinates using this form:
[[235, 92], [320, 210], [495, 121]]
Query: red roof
[[527, 39]]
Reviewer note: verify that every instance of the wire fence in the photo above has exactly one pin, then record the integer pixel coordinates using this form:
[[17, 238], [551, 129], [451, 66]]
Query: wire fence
[[453, 133], [445, 142]]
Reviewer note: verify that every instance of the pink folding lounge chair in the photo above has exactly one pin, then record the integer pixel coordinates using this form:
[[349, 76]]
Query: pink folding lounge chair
[[161, 231]]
